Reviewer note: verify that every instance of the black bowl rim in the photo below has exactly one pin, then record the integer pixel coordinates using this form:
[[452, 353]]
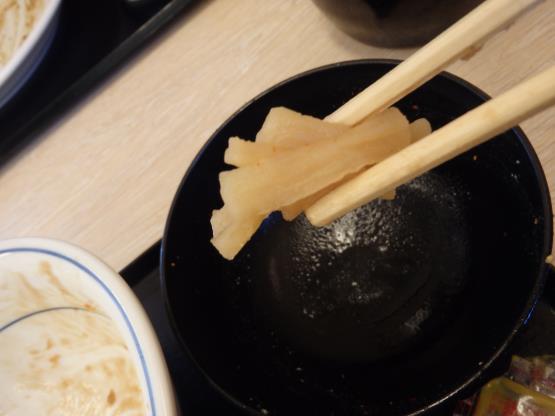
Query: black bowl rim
[[532, 299]]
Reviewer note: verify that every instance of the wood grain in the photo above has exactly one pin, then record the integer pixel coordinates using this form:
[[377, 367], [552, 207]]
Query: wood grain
[[105, 175]]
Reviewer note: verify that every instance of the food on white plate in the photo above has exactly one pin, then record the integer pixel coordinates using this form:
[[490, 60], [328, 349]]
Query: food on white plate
[[17, 19], [296, 160], [62, 353]]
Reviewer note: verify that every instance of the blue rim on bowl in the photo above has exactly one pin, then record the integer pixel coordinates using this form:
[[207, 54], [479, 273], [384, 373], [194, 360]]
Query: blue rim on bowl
[[111, 293]]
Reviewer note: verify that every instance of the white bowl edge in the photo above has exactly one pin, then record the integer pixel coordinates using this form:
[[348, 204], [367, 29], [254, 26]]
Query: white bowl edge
[[37, 32], [161, 386]]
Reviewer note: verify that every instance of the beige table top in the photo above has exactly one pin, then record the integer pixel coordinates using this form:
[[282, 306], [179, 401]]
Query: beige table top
[[104, 176]]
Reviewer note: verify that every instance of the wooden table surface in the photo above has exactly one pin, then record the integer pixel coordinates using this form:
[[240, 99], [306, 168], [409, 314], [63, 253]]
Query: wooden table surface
[[104, 176]]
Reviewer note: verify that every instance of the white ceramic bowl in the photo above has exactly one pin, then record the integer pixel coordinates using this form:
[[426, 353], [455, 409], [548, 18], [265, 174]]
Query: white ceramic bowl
[[30, 53], [74, 337]]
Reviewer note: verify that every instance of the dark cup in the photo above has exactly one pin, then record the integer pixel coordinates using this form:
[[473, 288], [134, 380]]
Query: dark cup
[[395, 23]]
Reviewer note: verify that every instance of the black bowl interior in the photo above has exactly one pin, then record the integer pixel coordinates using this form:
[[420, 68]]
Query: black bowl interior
[[388, 310]]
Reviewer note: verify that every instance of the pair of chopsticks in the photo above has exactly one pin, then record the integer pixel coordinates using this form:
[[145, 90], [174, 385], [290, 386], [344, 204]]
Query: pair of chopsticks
[[469, 130]]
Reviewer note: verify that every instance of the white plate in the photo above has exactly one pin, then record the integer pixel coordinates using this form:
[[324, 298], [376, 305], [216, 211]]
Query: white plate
[[30, 53], [71, 330]]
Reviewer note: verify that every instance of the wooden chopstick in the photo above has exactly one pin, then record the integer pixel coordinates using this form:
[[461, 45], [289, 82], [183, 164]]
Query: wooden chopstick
[[460, 39], [469, 130]]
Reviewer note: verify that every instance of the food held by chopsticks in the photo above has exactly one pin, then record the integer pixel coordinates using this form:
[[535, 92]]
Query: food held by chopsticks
[[296, 160], [326, 168], [473, 128]]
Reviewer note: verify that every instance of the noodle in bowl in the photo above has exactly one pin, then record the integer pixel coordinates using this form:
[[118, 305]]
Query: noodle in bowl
[[27, 28], [17, 18]]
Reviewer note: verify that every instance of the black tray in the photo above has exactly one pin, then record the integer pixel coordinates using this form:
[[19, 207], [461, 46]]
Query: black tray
[[197, 397], [93, 38]]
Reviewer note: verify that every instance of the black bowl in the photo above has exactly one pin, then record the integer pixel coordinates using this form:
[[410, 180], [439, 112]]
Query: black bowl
[[395, 23], [392, 309]]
